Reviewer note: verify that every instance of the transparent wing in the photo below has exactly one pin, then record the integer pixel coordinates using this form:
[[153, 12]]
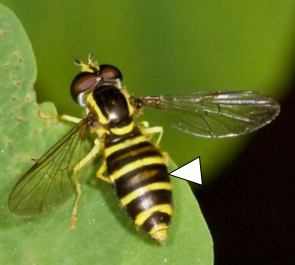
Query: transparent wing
[[48, 183], [220, 114]]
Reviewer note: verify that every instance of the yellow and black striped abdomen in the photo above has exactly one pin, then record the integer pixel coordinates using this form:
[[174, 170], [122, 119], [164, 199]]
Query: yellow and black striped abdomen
[[140, 178]]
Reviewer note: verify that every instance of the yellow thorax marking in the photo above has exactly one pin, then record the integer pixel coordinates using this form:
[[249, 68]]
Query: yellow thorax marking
[[127, 96], [124, 130], [101, 118]]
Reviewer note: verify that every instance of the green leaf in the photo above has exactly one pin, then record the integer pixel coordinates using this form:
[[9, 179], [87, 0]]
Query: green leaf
[[105, 234]]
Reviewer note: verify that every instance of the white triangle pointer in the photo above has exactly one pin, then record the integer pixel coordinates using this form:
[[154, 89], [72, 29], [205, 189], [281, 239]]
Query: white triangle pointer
[[190, 171]]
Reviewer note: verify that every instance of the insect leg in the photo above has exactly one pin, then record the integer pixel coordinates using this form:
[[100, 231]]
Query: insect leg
[[143, 124], [149, 132], [69, 118], [100, 172], [61, 117], [93, 153]]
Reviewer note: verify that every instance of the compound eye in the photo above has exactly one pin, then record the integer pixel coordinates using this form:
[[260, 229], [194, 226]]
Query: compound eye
[[110, 72], [81, 83]]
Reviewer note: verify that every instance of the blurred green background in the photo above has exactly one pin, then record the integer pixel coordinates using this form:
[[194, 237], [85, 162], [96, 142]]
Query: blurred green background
[[165, 47]]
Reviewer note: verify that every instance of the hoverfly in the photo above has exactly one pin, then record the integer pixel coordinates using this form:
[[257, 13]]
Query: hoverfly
[[136, 168]]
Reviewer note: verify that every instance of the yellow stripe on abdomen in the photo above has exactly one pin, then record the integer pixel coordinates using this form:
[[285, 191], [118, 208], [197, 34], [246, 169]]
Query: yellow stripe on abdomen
[[143, 216], [142, 190], [129, 142], [136, 164]]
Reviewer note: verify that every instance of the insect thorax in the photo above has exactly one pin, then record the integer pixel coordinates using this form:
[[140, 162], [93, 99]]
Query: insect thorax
[[112, 108]]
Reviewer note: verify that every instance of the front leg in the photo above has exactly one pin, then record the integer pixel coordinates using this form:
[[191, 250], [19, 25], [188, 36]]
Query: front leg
[[61, 117]]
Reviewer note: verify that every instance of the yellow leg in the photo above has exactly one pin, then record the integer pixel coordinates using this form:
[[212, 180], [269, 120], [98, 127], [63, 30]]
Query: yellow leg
[[62, 117], [143, 124], [93, 153], [74, 214], [149, 132], [100, 172]]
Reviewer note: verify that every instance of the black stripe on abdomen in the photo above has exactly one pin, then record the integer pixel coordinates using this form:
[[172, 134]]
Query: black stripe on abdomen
[[148, 200], [155, 219], [140, 177]]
